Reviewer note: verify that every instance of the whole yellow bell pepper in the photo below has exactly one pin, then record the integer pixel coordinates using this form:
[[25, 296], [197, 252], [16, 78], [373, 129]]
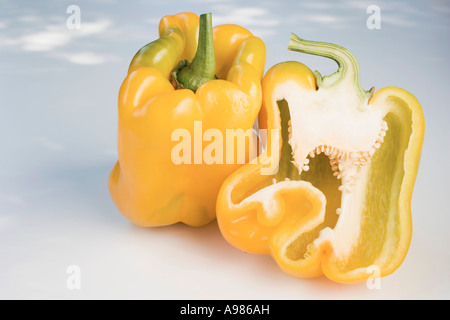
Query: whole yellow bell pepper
[[339, 201], [193, 78]]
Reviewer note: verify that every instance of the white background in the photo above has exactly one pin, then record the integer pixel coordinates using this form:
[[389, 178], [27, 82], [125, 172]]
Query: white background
[[58, 90]]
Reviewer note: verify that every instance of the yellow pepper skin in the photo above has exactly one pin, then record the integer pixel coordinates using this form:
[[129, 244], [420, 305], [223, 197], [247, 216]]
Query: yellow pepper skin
[[146, 184], [297, 213]]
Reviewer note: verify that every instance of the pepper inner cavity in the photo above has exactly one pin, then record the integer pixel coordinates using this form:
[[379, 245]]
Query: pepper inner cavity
[[339, 159], [328, 168], [321, 176]]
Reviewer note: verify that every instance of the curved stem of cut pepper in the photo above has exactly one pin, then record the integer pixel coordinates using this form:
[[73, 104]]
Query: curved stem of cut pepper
[[348, 71], [203, 66]]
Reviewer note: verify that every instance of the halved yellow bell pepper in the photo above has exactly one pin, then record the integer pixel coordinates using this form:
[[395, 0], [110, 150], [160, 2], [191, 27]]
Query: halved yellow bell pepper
[[339, 202], [155, 182]]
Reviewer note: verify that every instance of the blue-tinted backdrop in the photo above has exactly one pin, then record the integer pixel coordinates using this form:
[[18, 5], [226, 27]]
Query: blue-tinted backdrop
[[58, 91]]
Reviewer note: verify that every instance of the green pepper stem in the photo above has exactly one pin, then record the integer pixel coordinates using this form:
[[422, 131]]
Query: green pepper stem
[[348, 68], [203, 66]]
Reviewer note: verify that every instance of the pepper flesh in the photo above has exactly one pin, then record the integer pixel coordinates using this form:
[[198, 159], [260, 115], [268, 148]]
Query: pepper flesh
[[309, 221], [147, 186]]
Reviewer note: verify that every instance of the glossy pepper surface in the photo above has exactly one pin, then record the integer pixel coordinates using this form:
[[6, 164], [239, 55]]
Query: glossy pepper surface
[[149, 184], [339, 202]]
